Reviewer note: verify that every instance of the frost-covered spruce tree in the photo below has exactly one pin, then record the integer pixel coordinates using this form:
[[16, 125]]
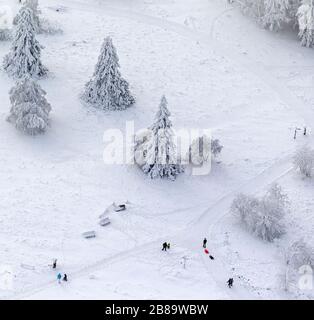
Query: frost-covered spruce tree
[[276, 13], [107, 89], [29, 107], [306, 23], [33, 6], [24, 57], [161, 160]]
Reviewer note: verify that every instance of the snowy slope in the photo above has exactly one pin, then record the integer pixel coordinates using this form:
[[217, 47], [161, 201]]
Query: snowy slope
[[219, 71]]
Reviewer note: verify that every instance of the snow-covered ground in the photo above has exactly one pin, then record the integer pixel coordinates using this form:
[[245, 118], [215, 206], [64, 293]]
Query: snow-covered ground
[[219, 71]]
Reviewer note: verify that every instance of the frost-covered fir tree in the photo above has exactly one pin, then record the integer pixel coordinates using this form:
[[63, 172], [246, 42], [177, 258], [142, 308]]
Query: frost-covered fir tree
[[276, 13], [29, 107], [306, 23], [33, 6], [107, 89], [24, 57], [161, 159]]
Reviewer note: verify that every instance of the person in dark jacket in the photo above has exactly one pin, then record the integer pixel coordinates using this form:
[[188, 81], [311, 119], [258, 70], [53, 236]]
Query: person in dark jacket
[[65, 277], [230, 282], [204, 243], [164, 246]]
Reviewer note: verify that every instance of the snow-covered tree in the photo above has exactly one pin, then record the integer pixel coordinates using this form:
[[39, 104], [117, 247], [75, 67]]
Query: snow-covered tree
[[304, 161], [306, 23], [161, 160], [202, 149], [29, 107], [269, 223], [41, 25], [272, 14], [107, 89], [216, 147], [33, 6], [299, 255], [293, 10], [24, 57], [263, 217], [276, 13], [245, 207]]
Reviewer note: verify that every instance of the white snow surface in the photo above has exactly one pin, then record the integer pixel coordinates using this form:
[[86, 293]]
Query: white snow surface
[[218, 70]]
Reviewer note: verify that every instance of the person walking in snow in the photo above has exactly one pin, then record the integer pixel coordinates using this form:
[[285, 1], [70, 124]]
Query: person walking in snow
[[204, 243], [65, 277], [164, 246], [54, 264], [59, 276], [230, 283]]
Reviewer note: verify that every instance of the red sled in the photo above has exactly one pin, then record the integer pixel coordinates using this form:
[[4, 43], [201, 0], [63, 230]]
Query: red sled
[[206, 251]]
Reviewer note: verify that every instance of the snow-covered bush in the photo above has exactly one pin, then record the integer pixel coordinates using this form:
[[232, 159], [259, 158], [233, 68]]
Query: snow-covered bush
[[299, 256], [202, 149], [29, 107], [306, 23], [304, 161], [161, 159], [107, 89], [263, 217], [24, 57], [216, 147]]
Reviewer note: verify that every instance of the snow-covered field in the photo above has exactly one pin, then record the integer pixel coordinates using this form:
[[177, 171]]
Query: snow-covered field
[[219, 70]]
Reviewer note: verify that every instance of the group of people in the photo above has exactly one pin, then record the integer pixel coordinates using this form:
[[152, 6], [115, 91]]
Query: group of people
[[166, 246], [230, 280], [59, 275]]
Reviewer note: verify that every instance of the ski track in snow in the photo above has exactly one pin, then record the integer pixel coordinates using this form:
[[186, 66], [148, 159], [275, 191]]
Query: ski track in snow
[[212, 215]]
